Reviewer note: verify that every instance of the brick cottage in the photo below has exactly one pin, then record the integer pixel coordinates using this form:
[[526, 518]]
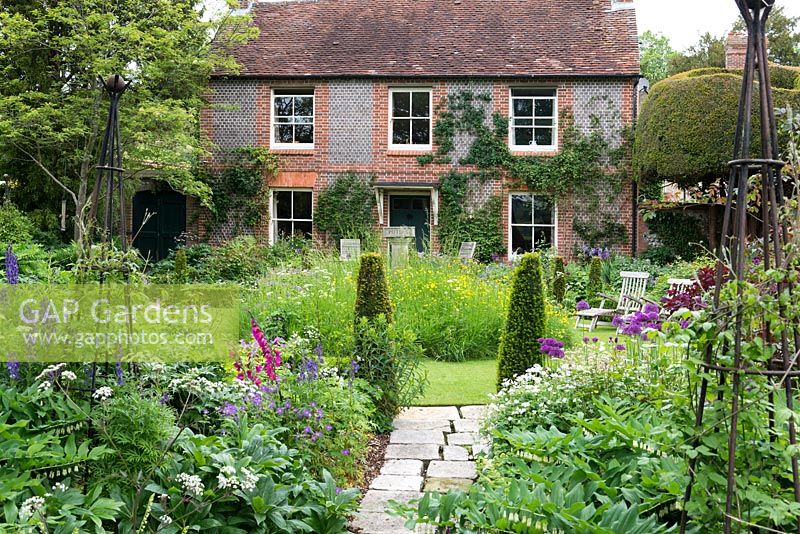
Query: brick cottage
[[356, 86]]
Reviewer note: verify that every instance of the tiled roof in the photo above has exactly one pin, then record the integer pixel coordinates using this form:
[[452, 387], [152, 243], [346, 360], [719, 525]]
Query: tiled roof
[[483, 38]]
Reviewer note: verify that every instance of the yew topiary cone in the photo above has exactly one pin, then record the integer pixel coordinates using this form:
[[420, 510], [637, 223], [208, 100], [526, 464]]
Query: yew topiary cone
[[594, 284], [525, 323], [559, 280], [372, 291]]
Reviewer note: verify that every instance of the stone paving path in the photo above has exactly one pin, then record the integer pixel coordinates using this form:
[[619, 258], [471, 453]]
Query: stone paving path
[[431, 449]]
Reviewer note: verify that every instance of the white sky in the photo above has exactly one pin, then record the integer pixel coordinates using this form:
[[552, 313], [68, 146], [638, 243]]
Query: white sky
[[684, 21]]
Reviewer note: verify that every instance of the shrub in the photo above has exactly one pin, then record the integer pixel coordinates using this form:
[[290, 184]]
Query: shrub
[[241, 258], [15, 227], [594, 284], [181, 270], [388, 360], [525, 322], [559, 279], [680, 236], [139, 427], [372, 291]]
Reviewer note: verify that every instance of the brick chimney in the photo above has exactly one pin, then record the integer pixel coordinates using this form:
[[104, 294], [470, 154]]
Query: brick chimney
[[735, 50]]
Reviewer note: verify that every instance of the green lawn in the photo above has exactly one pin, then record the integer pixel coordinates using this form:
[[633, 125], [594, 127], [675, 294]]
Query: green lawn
[[472, 382], [459, 383]]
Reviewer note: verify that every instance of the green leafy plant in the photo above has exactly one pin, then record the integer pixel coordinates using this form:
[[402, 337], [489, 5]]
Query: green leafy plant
[[559, 279], [344, 208], [15, 227], [181, 269], [594, 284], [680, 236], [372, 291], [525, 323]]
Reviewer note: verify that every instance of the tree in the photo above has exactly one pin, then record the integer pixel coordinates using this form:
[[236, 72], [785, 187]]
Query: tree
[[783, 35], [52, 108], [525, 323], [656, 52], [685, 130], [708, 52]]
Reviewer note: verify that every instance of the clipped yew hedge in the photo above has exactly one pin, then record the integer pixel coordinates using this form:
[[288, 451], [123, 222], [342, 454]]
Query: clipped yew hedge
[[687, 123]]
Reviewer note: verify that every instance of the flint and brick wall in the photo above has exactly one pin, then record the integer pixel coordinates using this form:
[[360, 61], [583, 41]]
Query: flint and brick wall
[[351, 134]]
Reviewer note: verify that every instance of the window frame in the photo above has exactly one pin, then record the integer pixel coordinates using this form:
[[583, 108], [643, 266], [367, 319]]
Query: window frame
[[300, 91], [533, 225], [511, 137], [410, 146], [273, 212]]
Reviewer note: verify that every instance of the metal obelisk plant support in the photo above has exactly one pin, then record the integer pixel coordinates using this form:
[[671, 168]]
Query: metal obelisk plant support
[[109, 170], [774, 235]]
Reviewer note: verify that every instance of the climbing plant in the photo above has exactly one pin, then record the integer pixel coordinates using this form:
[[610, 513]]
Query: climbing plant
[[457, 224], [344, 208], [240, 189], [580, 165]]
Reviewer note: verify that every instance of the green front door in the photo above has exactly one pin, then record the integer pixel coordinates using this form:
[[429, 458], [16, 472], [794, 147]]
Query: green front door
[[405, 210]]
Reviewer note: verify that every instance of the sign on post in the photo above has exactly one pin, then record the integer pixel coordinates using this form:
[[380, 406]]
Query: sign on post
[[467, 250], [399, 239], [349, 249]]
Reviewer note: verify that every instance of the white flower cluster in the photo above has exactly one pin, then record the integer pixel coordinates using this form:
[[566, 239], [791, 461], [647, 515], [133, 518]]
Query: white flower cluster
[[193, 381], [59, 486], [191, 484], [103, 393], [44, 386], [30, 507], [166, 520], [227, 478], [69, 375], [51, 369]]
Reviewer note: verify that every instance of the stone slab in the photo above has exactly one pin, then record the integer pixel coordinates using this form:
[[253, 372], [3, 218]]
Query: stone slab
[[397, 483], [417, 436], [440, 469], [443, 485], [422, 424], [412, 452], [462, 438], [455, 453], [378, 500], [474, 412], [411, 468], [466, 425], [430, 412], [379, 523]]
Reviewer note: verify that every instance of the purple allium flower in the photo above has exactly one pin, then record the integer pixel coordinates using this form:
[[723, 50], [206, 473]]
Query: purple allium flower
[[12, 267], [595, 340], [619, 347], [582, 305], [551, 347], [586, 339], [13, 370], [617, 321]]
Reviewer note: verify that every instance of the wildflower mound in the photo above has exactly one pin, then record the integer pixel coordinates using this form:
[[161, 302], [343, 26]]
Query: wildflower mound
[[526, 321]]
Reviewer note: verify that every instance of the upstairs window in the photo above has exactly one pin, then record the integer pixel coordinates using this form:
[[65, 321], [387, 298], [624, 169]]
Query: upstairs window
[[293, 118], [410, 119], [533, 124], [533, 223]]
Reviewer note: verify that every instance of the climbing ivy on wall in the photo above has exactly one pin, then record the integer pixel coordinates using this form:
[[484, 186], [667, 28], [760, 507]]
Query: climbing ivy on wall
[[578, 166], [344, 208], [457, 224], [240, 190]]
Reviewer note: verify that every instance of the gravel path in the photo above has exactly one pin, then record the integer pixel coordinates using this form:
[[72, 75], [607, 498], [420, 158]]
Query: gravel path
[[431, 449]]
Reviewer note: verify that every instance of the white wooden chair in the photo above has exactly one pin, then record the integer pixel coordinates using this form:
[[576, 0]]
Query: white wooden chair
[[634, 286]]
